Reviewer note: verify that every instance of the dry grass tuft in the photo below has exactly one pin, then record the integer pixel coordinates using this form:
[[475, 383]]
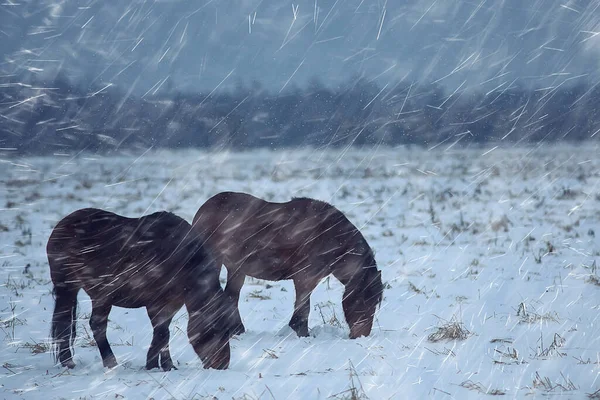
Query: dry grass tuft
[[581, 361], [511, 355], [257, 294], [415, 289], [502, 340], [452, 330], [270, 353], [478, 387], [446, 352], [36, 348], [553, 349], [354, 392], [595, 395], [531, 316], [545, 384], [328, 314], [594, 280]]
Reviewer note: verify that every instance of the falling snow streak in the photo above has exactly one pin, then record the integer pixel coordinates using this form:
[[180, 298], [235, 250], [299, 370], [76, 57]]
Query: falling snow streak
[[459, 137]]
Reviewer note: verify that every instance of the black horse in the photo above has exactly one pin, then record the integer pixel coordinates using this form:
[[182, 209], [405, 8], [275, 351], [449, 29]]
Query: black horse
[[156, 261], [304, 240]]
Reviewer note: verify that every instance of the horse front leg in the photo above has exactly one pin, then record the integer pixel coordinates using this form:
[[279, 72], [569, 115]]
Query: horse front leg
[[98, 324], [235, 281], [160, 317], [304, 287]]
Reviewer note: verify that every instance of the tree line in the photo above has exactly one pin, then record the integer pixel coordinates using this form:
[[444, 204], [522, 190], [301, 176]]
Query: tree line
[[42, 117]]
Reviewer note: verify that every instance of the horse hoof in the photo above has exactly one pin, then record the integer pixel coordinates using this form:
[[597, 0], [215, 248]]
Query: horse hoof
[[69, 364], [166, 364], [302, 332], [110, 363], [150, 367], [357, 336]]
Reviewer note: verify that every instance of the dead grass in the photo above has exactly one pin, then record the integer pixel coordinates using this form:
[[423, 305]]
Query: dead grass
[[355, 392], [445, 352], [328, 314], [581, 361], [545, 384], [257, 294], [421, 242], [529, 315], [509, 357], [478, 387], [552, 350], [19, 221], [501, 340], [595, 395], [452, 330], [245, 396], [10, 367], [567, 194], [549, 249], [594, 280], [9, 324], [270, 354], [20, 183], [413, 288], [36, 348]]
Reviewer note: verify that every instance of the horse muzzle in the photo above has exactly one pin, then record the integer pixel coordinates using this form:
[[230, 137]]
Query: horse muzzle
[[360, 329], [220, 360]]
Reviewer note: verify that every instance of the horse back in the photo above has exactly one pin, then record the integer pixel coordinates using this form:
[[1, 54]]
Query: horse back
[[151, 255], [232, 212], [285, 235]]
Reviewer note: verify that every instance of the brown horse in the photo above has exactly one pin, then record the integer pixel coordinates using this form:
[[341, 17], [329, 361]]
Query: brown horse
[[304, 240], [156, 261]]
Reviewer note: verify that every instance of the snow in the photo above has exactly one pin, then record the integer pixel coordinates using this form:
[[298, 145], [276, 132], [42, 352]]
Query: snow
[[505, 241]]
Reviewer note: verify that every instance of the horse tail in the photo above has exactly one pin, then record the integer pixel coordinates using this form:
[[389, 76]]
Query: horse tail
[[64, 318]]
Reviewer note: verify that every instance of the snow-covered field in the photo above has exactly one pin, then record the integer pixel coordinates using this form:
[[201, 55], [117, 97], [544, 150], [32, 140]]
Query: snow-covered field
[[502, 243]]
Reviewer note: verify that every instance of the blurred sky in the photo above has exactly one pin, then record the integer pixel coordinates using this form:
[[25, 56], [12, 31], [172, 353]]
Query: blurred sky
[[201, 45]]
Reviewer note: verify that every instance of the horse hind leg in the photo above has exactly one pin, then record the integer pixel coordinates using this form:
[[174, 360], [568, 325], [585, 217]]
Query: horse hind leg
[[63, 323], [98, 324], [161, 318], [235, 281]]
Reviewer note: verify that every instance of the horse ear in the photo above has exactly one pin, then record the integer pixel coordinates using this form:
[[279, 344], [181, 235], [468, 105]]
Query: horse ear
[[379, 274]]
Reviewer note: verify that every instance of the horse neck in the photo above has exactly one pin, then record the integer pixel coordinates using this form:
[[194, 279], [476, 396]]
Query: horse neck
[[351, 276], [366, 277]]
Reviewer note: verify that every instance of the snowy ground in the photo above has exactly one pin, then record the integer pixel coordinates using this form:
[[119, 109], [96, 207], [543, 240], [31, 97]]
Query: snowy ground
[[504, 241]]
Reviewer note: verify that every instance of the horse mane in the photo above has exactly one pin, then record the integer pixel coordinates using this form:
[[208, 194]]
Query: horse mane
[[167, 219], [303, 198], [315, 201], [162, 214]]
